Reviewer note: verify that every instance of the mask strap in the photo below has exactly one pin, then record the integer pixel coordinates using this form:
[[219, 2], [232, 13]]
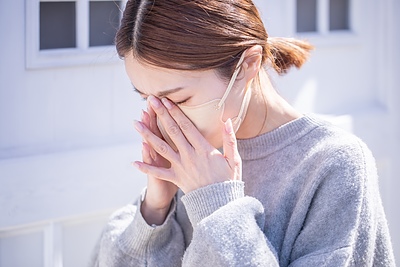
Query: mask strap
[[231, 82]]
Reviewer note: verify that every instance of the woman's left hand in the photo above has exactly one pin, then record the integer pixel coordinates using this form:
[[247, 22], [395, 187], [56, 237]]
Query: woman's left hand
[[196, 163]]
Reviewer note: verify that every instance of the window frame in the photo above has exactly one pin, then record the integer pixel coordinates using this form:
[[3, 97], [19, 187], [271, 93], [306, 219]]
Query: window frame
[[82, 54], [323, 35]]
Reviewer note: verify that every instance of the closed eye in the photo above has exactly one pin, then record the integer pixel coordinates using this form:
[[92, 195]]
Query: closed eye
[[144, 97], [181, 102]]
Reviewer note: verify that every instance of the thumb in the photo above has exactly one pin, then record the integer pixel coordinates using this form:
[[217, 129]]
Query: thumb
[[231, 153]]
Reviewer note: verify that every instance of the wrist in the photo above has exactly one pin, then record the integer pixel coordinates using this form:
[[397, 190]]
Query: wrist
[[154, 215]]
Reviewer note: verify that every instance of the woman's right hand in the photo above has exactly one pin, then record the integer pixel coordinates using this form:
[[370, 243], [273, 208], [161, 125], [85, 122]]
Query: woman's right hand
[[159, 193]]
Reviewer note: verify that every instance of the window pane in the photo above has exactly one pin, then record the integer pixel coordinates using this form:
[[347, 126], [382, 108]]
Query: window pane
[[306, 16], [57, 25], [104, 21], [338, 15]]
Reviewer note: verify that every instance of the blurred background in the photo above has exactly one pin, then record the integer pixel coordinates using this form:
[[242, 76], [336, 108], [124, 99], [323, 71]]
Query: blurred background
[[66, 112]]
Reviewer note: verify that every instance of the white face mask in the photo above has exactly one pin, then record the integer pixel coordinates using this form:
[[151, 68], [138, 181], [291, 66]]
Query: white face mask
[[207, 117]]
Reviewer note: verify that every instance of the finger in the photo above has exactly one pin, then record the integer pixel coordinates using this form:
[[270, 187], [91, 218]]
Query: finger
[[146, 119], [146, 156], [171, 127], [150, 109], [149, 119], [159, 145], [153, 120], [156, 172], [230, 148], [190, 132]]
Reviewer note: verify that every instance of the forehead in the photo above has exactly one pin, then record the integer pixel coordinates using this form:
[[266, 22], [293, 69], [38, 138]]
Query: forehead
[[151, 79]]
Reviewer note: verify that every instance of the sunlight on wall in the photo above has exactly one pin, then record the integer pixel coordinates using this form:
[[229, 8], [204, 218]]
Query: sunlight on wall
[[307, 96]]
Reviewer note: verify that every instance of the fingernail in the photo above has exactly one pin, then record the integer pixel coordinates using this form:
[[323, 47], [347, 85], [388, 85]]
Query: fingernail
[[166, 103], [142, 115], [138, 126], [228, 126], [154, 102], [136, 164]]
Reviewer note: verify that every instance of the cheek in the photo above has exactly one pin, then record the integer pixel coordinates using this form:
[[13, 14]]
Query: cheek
[[207, 89]]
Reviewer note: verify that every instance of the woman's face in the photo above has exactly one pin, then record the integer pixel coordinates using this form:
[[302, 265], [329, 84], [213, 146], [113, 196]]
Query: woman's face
[[184, 88]]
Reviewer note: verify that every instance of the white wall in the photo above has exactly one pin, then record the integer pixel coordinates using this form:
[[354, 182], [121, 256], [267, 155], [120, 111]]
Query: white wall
[[66, 140], [66, 143], [393, 69]]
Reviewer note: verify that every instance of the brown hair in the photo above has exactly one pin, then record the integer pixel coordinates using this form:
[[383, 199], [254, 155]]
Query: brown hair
[[202, 34]]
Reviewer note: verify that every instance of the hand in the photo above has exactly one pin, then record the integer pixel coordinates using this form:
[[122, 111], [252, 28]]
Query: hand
[[159, 193], [196, 163]]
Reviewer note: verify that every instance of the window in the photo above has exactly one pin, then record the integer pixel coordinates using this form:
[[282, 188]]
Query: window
[[306, 16], [71, 32], [103, 22], [322, 16], [57, 25], [338, 15]]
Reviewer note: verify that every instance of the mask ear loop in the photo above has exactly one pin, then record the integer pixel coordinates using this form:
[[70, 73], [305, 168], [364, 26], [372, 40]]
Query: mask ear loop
[[231, 82]]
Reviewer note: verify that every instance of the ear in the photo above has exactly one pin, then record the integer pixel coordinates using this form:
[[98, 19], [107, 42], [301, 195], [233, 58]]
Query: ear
[[252, 62]]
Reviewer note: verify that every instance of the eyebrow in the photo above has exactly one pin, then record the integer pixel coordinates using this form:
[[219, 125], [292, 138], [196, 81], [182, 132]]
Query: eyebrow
[[161, 94]]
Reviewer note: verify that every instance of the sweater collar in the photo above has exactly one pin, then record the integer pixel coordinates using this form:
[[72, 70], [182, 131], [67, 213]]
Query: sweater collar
[[270, 142]]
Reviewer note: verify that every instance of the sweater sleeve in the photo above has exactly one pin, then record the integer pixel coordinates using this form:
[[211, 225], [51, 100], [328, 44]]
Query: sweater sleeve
[[345, 224], [128, 240], [227, 228]]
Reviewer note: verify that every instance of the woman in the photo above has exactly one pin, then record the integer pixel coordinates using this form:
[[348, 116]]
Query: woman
[[236, 176]]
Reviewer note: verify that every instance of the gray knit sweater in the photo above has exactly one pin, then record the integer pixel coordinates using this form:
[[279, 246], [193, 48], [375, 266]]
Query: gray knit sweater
[[309, 197]]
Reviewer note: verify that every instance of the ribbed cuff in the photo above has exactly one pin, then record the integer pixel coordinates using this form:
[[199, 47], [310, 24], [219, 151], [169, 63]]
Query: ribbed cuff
[[202, 202], [137, 236]]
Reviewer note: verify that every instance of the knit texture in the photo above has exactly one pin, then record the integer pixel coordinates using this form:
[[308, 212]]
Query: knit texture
[[309, 197]]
